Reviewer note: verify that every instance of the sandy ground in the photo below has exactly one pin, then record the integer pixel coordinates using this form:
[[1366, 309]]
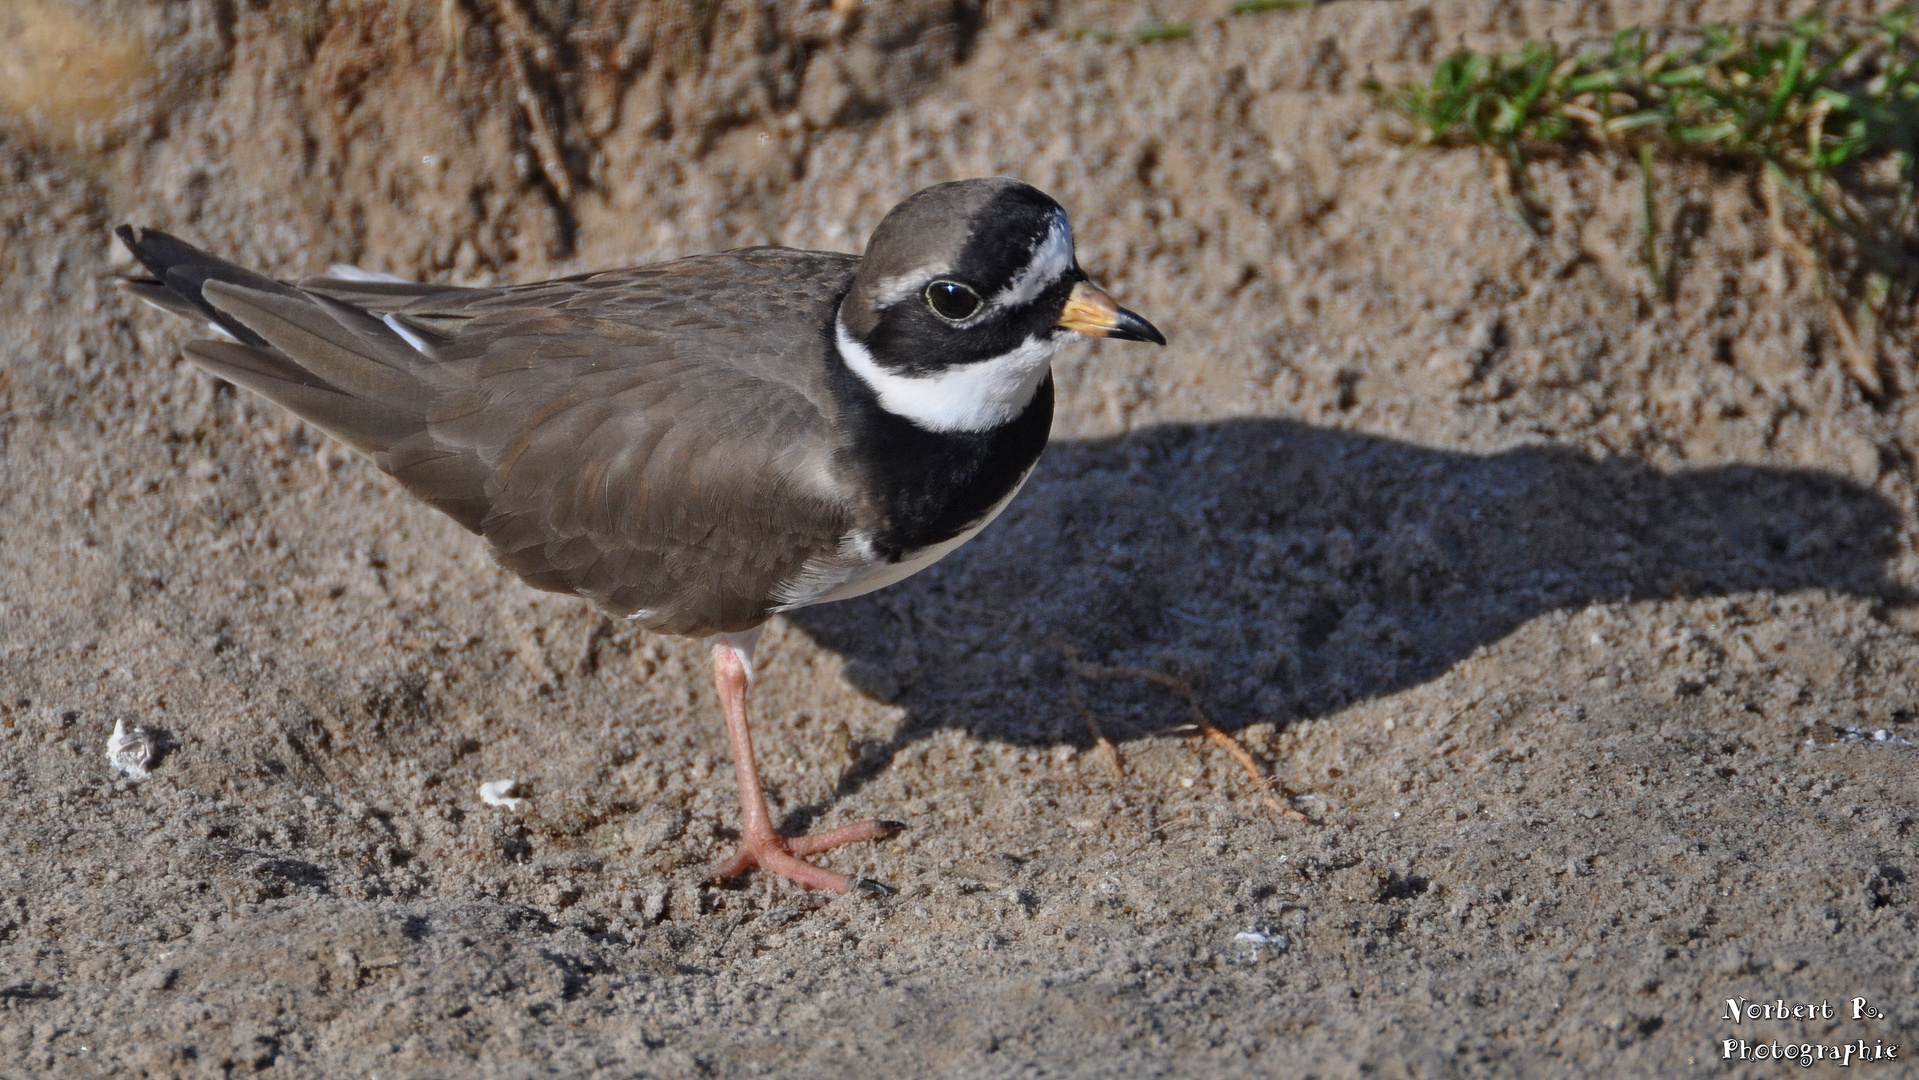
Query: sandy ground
[[1577, 617]]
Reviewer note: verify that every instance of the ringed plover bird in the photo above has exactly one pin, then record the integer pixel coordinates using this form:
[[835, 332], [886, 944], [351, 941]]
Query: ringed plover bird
[[700, 444]]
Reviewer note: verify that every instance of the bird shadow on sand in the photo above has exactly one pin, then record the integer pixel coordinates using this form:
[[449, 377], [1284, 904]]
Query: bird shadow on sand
[[1286, 571]]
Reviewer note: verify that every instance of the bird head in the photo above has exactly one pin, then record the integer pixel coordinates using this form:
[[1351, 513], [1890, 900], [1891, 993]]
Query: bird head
[[965, 292]]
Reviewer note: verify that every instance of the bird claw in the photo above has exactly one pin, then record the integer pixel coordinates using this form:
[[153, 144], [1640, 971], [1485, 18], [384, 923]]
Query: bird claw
[[786, 856], [869, 887]]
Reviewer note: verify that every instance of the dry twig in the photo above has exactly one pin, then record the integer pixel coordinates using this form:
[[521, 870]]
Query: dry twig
[[1860, 363], [1079, 669], [521, 37], [1106, 747]]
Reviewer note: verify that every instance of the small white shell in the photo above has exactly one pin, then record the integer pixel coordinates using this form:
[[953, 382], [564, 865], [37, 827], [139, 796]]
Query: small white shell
[[131, 752], [498, 793], [1260, 940]]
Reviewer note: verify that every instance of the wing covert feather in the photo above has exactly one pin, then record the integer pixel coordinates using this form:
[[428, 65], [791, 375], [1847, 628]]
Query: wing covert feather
[[664, 457], [660, 440]]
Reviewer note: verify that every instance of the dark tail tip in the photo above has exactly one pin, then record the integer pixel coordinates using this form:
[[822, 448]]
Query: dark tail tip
[[160, 253], [184, 270], [135, 239]]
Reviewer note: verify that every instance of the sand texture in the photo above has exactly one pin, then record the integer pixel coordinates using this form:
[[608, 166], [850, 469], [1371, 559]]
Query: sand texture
[[1574, 619]]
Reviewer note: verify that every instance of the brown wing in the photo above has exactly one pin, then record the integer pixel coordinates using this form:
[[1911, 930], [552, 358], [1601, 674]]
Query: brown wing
[[657, 440]]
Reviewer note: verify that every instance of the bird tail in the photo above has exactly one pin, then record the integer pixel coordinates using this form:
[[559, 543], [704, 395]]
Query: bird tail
[[355, 377]]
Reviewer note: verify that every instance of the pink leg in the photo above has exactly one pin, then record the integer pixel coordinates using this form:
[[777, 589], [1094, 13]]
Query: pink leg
[[760, 845]]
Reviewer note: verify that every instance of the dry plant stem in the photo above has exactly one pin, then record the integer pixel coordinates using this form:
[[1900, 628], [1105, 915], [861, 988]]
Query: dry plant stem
[[452, 29], [1084, 669], [1808, 262], [1776, 219], [1509, 190], [1861, 366], [1106, 747], [843, 757], [521, 36], [760, 845], [1860, 363], [1585, 928], [1079, 704]]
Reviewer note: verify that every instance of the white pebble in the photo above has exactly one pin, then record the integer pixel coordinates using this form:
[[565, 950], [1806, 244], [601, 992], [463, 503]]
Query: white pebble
[[131, 752], [498, 793]]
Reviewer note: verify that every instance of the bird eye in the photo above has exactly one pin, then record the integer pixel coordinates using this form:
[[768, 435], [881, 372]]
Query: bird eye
[[952, 301]]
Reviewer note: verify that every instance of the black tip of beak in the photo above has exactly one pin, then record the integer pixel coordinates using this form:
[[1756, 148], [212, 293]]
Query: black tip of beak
[[1130, 327]]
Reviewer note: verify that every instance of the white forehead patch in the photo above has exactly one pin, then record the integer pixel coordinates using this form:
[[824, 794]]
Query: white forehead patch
[[1052, 258], [965, 397]]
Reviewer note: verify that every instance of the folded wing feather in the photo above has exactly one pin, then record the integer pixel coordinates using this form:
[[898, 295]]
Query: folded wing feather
[[625, 437]]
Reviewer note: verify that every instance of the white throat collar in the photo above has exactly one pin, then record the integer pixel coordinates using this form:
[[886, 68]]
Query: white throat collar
[[974, 397]]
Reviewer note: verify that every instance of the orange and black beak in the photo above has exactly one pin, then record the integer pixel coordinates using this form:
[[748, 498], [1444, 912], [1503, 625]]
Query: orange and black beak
[[1093, 313]]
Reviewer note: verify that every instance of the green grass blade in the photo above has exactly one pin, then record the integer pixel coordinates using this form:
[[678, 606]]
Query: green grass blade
[[1254, 7], [1172, 31], [1798, 102], [1788, 82], [1649, 219]]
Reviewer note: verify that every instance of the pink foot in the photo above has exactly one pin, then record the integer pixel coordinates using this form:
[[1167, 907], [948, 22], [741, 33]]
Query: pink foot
[[760, 845], [784, 856]]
